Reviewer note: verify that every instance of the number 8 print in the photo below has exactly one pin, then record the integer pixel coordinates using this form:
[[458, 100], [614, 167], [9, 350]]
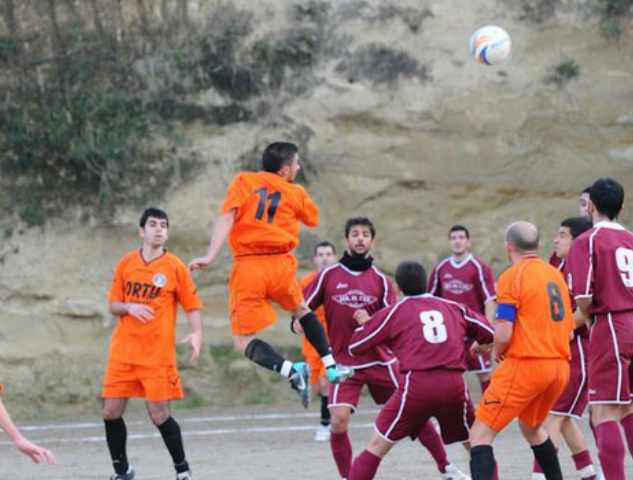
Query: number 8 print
[[434, 329]]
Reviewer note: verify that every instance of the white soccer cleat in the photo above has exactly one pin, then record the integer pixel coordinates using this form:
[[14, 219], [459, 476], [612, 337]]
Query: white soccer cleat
[[184, 475], [322, 433], [538, 476], [453, 473]]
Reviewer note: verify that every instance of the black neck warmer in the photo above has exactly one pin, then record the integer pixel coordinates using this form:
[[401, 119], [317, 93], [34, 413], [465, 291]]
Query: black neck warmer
[[356, 264]]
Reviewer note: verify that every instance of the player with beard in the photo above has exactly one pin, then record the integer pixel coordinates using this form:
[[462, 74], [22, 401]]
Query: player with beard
[[351, 284], [600, 277], [467, 279]]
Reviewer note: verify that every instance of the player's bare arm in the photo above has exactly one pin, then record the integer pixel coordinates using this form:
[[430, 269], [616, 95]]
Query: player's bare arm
[[503, 338], [142, 313], [34, 452], [583, 308], [220, 233], [195, 338]]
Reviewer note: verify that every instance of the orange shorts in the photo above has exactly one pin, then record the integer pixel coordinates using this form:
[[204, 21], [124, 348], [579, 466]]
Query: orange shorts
[[317, 369], [159, 383], [255, 282], [523, 388], [0, 388]]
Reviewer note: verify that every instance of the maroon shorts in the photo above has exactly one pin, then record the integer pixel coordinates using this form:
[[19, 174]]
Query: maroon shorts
[[610, 355], [381, 380], [573, 401], [442, 394]]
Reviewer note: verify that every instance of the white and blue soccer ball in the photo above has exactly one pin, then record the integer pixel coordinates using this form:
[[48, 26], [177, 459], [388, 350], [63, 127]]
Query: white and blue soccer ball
[[490, 45]]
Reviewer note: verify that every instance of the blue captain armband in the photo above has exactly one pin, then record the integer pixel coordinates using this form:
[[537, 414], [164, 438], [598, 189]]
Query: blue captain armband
[[506, 312]]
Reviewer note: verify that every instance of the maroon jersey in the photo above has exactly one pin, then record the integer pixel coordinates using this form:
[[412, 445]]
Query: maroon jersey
[[424, 332], [342, 291], [470, 282], [557, 262], [604, 254]]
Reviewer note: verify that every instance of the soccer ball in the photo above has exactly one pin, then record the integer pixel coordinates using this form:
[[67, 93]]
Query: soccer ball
[[490, 45]]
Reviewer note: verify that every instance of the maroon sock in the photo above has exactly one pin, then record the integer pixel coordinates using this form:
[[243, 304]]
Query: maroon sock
[[484, 385], [611, 450], [342, 452], [627, 424], [365, 466], [433, 443], [584, 464]]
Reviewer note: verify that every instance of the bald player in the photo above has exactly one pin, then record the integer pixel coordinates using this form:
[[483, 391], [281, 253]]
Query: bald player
[[533, 325]]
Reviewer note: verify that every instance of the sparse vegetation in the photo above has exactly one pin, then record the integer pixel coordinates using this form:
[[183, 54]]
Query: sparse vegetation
[[613, 13], [563, 73], [538, 11]]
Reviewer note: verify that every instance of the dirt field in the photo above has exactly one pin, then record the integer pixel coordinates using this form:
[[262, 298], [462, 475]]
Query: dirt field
[[262, 443]]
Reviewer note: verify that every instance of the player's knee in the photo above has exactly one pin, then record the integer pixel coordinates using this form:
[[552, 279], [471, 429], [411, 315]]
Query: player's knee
[[159, 417], [339, 423], [301, 310], [109, 413]]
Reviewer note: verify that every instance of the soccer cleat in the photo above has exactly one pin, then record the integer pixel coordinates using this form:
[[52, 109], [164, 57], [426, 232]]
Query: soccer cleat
[[184, 476], [129, 475], [339, 373], [300, 381], [538, 476], [322, 433], [453, 473]]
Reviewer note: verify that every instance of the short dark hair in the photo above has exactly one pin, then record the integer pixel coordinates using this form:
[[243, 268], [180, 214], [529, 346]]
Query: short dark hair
[[411, 278], [586, 189], [607, 196], [277, 155], [459, 228], [364, 221], [153, 212], [324, 244], [577, 225]]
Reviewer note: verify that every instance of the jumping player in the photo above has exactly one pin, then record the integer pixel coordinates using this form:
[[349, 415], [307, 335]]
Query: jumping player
[[426, 334], [261, 217], [600, 275], [324, 256], [31, 450], [467, 279], [532, 333], [147, 287], [355, 283], [572, 403]]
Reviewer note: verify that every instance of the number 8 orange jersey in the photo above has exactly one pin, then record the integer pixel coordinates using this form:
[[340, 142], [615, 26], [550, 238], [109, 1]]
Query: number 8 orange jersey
[[269, 210]]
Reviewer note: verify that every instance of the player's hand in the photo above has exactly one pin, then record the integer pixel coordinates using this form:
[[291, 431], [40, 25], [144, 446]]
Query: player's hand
[[141, 312], [199, 263], [195, 340], [35, 452], [477, 349], [361, 316]]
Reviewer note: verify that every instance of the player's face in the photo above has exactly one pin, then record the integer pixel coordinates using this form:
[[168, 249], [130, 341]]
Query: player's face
[[324, 258], [583, 204], [155, 233], [459, 242], [562, 242], [359, 241]]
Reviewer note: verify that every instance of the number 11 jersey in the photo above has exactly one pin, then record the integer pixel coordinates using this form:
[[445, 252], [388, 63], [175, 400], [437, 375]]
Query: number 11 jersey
[[269, 210]]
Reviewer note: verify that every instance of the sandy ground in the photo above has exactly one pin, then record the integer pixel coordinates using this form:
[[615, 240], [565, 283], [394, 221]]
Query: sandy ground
[[245, 443]]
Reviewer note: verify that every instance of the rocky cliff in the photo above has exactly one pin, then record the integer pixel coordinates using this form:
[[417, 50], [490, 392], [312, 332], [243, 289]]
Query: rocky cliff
[[395, 122]]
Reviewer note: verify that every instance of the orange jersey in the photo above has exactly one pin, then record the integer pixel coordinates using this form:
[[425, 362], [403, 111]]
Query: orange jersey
[[538, 295], [308, 350], [269, 211], [160, 284]]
